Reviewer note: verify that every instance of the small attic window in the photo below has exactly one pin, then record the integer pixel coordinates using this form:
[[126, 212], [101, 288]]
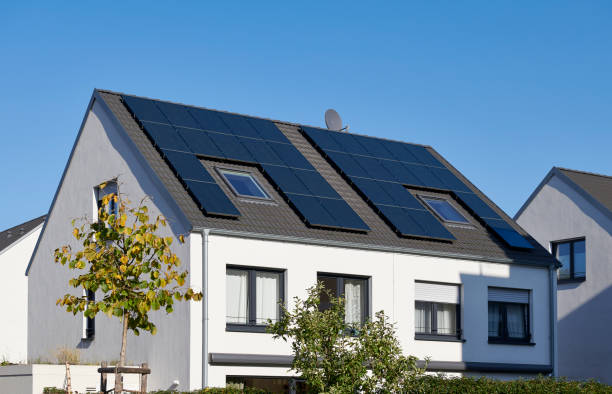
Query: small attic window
[[445, 210], [243, 184]]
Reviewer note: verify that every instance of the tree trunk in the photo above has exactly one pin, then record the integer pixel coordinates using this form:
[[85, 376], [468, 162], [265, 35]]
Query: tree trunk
[[118, 382]]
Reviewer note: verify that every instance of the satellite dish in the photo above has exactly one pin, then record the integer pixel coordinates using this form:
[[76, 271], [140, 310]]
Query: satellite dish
[[333, 120]]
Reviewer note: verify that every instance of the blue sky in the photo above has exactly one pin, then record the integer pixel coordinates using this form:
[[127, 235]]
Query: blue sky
[[504, 90]]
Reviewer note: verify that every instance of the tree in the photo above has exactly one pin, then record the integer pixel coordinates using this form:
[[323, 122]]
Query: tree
[[133, 267], [334, 356]]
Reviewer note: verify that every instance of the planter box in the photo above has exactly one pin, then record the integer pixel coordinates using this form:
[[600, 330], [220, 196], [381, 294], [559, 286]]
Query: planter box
[[33, 378]]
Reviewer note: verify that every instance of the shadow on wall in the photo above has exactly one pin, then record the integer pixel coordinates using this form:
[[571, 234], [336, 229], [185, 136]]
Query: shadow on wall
[[177, 222], [585, 338]]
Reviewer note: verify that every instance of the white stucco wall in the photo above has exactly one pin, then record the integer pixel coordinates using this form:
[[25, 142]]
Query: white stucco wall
[[558, 212], [14, 295], [103, 153], [392, 290]]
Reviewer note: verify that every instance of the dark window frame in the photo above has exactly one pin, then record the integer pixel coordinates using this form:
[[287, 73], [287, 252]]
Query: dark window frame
[[433, 335], [424, 199], [222, 170], [90, 322], [365, 314], [571, 242], [504, 338], [251, 325]]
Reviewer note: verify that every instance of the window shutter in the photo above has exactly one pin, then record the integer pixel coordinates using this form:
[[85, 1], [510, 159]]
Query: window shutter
[[435, 292], [508, 295]]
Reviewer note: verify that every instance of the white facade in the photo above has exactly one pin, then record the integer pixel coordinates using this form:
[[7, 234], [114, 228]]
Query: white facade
[[189, 342], [14, 328], [392, 278], [560, 211]]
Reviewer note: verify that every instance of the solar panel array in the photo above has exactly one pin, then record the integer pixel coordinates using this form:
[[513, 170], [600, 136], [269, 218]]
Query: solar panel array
[[182, 134], [380, 170]]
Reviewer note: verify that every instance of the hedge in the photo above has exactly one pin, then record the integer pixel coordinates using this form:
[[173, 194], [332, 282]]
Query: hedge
[[441, 385]]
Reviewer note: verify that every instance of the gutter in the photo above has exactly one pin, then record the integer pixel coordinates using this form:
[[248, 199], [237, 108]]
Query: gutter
[[354, 245], [205, 362], [553, 320]]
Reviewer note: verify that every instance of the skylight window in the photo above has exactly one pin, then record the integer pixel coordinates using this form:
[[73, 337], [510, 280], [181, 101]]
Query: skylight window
[[445, 210], [244, 184]]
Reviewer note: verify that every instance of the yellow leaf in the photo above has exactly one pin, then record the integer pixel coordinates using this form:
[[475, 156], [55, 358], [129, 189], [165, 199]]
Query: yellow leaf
[[75, 232], [123, 219], [123, 259], [182, 238]]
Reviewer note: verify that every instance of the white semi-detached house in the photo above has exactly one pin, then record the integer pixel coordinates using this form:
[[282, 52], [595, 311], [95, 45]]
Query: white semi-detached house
[[16, 247], [570, 213], [271, 207]]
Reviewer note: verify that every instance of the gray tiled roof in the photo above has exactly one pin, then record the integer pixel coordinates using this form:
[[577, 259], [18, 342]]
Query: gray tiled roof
[[8, 237], [597, 186], [281, 221]]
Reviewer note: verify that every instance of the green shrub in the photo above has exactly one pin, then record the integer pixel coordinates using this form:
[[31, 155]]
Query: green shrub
[[540, 385], [213, 390], [53, 390]]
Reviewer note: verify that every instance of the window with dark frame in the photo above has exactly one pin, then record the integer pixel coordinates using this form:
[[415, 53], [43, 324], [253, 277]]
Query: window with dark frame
[[572, 255], [509, 316], [243, 184], [90, 323], [437, 311], [354, 290], [253, 297]]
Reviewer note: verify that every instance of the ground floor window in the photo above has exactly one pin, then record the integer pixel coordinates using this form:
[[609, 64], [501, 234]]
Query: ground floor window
[[270, 384]]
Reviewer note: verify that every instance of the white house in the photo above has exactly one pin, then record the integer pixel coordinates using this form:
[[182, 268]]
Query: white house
[[16, 247], [570, 213], [271, 207]]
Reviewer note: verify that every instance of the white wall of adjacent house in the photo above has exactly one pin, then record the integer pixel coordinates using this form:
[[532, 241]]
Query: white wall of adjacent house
[[103, 153], [392, 279], [14, 293], [559, 212]]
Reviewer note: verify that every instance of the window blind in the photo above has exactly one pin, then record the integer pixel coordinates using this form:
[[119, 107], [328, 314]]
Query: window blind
[[436, 292], [500, 294]]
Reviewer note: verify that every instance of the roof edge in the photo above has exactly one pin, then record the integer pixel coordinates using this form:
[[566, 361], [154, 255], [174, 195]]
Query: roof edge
[[362, 246], [61, 182], [551, 172], [33, 229]]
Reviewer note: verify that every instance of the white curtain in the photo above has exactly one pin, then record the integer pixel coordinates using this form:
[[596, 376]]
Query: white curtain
[[353, 295], [515, 314], [422, 318], [236, 288], [446, 318], [267, 289], [494, 320]]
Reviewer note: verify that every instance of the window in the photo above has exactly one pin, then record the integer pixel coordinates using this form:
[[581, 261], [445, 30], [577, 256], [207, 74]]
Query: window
[[243, 184], [100, 192], [437, 311], [90, 323], [509, 316], [268, 384], [572, 254], [445, 210], [355, 293], [252, 297]]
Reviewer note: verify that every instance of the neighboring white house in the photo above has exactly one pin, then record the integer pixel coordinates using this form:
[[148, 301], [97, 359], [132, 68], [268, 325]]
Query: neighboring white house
[[271, 207], [16, 247], [570, 213]]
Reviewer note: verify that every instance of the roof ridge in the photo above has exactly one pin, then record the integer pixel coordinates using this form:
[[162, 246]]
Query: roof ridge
[[257, 117], [585, 172]]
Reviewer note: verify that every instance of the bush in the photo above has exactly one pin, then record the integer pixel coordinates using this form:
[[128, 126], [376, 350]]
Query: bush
[[53, 390], [213, 390], [540, 385]]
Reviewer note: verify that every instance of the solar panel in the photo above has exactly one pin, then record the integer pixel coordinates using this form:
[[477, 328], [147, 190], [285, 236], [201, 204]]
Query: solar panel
[[380, 170], [212, 199], [187, 166], [164, 136], [182, 132]]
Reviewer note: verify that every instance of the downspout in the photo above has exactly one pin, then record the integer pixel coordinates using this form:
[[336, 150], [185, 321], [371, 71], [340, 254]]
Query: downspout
[[205, 361], [553, 318]]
